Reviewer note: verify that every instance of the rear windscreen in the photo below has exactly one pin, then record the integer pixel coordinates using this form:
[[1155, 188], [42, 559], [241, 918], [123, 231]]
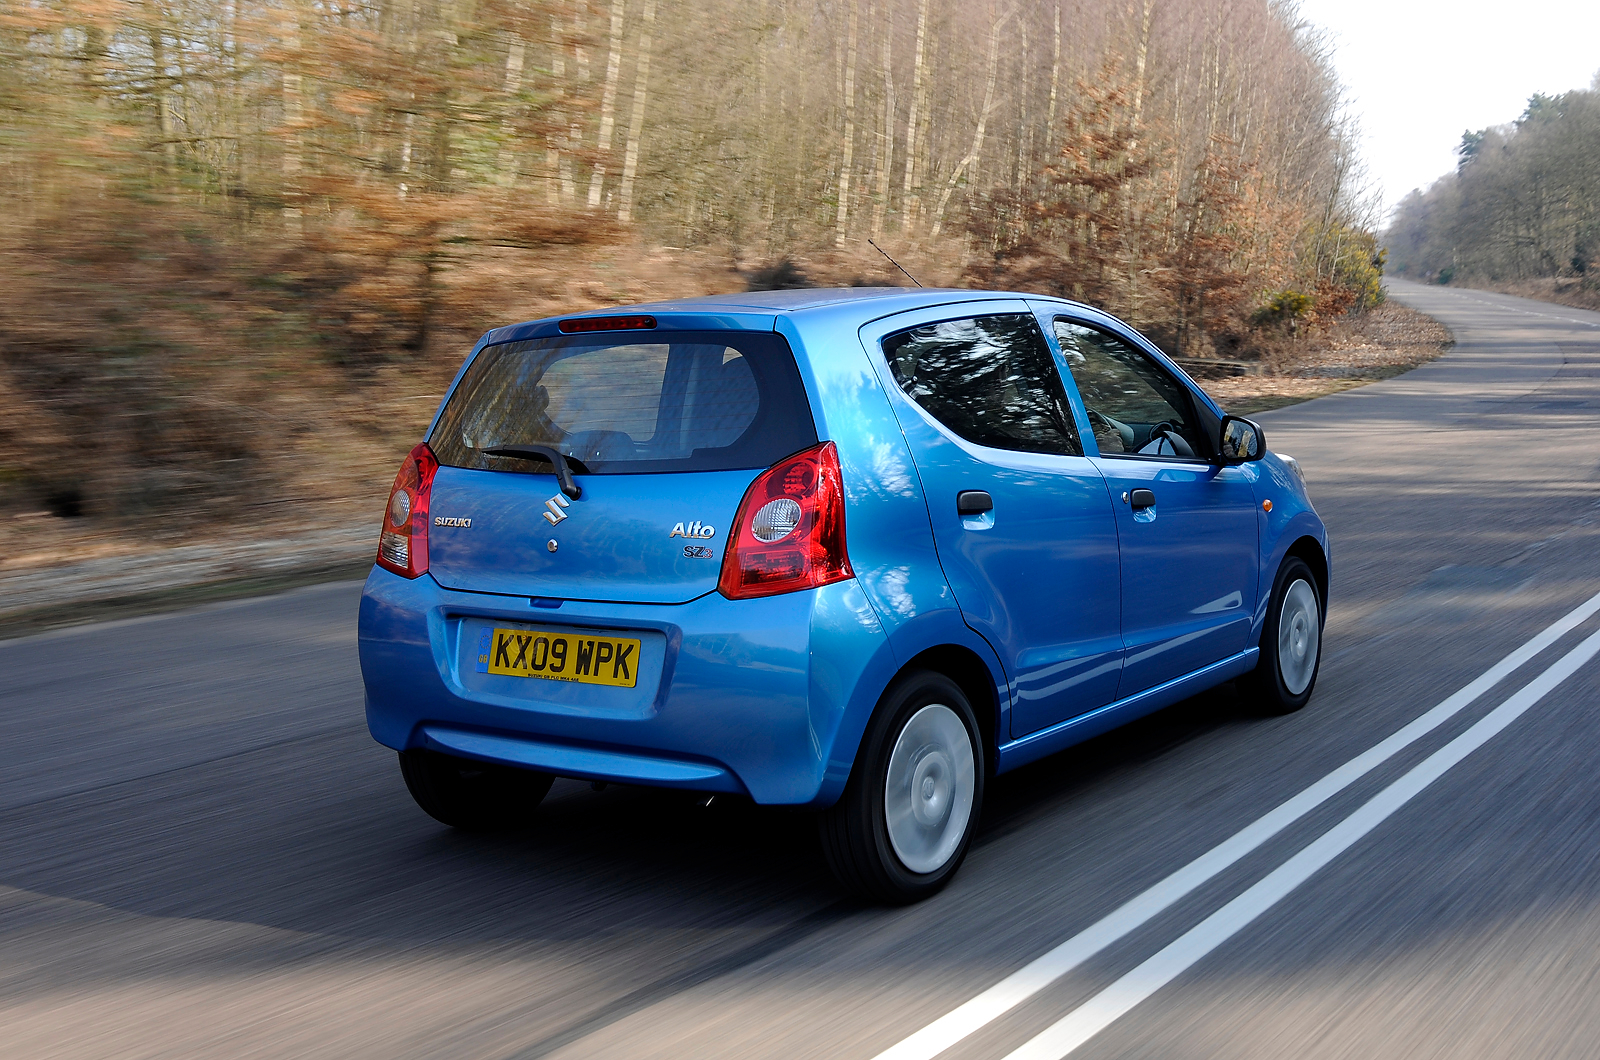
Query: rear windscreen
[[674, 401]]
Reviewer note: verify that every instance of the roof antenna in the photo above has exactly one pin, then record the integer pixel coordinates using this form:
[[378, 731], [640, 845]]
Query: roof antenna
[[893, 262]]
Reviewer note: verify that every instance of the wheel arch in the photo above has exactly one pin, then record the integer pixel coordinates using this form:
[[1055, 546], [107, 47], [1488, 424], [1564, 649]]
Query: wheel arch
[[1309, 549], [968, 670]]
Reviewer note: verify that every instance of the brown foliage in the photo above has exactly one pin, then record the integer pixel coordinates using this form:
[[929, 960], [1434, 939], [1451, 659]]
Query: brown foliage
[[1085, 229], [1112, 223], [129, 404], [158, 360], [246, 245]]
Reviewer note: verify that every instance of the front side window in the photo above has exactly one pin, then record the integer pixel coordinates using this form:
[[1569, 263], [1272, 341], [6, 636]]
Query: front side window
[[1135, 408], [990, 379], [681, 401]]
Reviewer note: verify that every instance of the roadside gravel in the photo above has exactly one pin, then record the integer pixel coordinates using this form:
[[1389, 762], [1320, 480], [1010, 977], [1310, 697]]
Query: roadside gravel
[[100, 580], [1380, 344]]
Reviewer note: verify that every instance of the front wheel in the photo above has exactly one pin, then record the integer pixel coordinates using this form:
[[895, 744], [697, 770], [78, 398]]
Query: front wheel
[[906, 818], [1291, 644], [471, 795]]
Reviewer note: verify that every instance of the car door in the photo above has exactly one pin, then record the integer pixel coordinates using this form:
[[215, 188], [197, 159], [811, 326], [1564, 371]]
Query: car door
[[1022, 520], [1186, 522]]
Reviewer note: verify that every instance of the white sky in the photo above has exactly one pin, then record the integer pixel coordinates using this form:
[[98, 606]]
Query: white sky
[[1418, 73]]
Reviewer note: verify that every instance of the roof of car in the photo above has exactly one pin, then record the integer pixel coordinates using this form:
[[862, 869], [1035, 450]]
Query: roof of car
[[889, 299], [812, 297]]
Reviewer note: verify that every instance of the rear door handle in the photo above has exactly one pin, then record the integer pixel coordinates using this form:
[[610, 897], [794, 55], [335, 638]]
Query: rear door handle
[[973, 502], [1139, 500]]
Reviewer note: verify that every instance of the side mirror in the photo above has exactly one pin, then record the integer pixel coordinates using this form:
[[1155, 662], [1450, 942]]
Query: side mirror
[[1242, 440]]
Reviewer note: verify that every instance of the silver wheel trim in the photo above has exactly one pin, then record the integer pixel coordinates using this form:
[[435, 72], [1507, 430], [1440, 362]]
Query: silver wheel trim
[[927, 798], [1299, 636]]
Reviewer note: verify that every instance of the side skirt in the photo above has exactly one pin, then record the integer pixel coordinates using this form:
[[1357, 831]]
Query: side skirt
[[1060, 736]]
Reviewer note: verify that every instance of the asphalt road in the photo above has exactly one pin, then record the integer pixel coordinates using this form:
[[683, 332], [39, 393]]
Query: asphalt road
[[202, 853]]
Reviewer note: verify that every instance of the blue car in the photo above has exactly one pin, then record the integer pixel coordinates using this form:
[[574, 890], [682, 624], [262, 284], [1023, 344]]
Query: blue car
[[854, 550]]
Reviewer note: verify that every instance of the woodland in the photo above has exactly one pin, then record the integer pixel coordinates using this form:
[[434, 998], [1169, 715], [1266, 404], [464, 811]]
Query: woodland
[[245, 243], [1522, 209]]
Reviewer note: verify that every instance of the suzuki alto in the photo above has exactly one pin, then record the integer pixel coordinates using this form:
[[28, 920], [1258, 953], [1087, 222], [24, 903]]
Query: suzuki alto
[[854, 550]]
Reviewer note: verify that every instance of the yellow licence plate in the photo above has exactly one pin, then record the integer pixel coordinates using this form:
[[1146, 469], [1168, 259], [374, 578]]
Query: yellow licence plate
[[589, 660]]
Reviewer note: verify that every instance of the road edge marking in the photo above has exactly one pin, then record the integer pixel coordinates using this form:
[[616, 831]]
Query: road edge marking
[[1014, 989], [1077, 1027]]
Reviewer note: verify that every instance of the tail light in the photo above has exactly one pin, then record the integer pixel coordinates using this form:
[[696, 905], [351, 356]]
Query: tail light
[[403, 545], [789, 533]]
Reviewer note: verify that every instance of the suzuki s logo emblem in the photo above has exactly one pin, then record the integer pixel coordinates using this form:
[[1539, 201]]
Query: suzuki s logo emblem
[[694, 529], [554, 508]]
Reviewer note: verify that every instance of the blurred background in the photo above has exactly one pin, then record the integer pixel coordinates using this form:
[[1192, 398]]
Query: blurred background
[[245, 245]]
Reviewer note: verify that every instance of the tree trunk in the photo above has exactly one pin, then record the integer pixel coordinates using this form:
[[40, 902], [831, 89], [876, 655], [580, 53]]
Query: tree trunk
[[908, 201], [405, 154], [507, 163], [1024, 124], [608, 104], [580, 56], [1055, 89], [1141, 55], [843, 214], [290, 84], [764, 164], [886, 136], [641, 84], [441, 152], [552, 149], [991, 71], [161, 86]]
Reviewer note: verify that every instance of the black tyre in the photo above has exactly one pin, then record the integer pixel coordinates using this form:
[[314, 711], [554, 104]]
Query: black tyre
[[471, 795], [903, 825], [1291, 644]]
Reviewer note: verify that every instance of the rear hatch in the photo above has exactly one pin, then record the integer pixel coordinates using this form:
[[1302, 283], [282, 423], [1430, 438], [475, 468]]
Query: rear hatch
[[662, 431]]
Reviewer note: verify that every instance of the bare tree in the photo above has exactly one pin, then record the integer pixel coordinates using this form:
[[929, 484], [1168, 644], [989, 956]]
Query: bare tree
[[608, 103], [641, 86]]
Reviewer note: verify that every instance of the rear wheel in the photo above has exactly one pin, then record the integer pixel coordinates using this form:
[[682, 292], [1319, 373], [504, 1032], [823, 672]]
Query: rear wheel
[[906, 818], [471, 795], [1291, 644]]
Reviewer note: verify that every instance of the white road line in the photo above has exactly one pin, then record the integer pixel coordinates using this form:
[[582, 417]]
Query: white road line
[[1033, 977], [1529, 312], [1116, 1000]]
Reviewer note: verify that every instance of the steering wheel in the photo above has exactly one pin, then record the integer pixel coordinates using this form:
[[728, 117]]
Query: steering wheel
[[1166, 433], [1158, 431]]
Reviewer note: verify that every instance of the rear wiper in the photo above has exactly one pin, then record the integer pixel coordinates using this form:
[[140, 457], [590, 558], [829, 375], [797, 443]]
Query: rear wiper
[[564, 465]]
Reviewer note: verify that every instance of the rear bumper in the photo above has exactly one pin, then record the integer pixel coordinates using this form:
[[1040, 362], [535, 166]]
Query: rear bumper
[[767, 697], [588, 763]]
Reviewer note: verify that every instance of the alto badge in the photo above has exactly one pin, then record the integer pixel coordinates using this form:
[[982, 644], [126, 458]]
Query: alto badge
[[694, 529]]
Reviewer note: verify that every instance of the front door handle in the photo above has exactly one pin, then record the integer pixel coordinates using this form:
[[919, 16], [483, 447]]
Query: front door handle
[[973, 502], [1139, 500]]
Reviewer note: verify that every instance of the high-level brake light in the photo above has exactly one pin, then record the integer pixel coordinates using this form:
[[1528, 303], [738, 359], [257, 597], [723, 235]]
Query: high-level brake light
[[633, 323]]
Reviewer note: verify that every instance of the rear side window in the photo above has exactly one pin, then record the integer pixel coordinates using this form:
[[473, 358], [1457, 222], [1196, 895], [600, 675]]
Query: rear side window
[[673, 401], [990, 379]]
